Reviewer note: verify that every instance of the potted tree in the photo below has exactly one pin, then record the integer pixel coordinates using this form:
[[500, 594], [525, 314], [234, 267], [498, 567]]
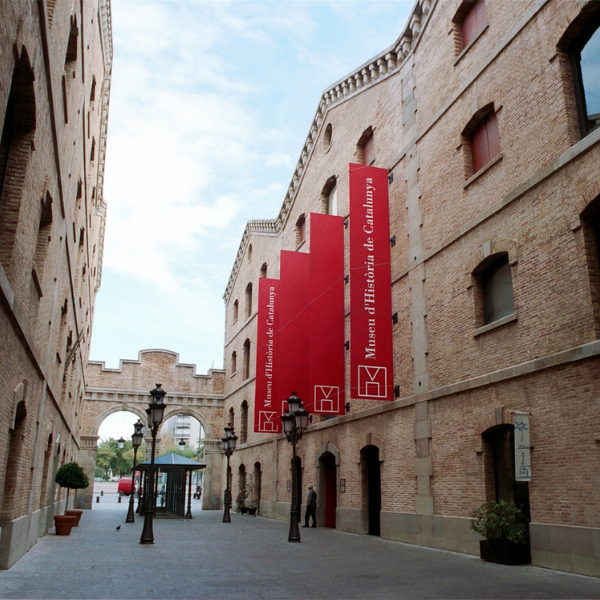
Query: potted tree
[[72, 477], [504, 526]]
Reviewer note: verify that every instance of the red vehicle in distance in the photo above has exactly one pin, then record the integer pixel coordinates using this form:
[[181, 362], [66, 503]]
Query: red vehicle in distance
[[124, 486]]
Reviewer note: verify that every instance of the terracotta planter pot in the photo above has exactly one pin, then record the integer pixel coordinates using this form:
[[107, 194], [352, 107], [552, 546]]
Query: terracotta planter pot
[[63, 524], [77, 514], [505, 553]]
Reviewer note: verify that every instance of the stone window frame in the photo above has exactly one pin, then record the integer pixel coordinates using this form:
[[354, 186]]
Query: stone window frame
[[236, 310], [590, 225]]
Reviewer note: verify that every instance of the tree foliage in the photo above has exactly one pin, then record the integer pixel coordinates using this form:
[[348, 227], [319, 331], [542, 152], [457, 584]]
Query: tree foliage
[[119, 461], [188, 452], [72, 476]]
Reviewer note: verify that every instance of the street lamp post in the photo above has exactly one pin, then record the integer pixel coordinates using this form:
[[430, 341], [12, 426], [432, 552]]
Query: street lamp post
[[294, 422], [181, 445], [228, 446], [155, 413], [136, 440]]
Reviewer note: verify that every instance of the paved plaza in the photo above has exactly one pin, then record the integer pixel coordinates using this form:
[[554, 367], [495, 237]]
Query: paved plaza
[[251, 558]]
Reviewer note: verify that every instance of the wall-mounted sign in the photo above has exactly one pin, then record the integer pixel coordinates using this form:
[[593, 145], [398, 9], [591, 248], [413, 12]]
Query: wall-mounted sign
[[342, 486], [522, 447]]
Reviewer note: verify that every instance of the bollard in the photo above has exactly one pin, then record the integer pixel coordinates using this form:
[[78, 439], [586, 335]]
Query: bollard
[[119, 499], [102, 492], [97, 499]]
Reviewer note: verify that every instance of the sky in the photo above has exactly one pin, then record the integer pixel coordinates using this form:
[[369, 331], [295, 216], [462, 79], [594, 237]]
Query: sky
[[210, 105]]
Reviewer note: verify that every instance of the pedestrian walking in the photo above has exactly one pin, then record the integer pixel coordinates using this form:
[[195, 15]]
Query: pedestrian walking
[[311, 507]]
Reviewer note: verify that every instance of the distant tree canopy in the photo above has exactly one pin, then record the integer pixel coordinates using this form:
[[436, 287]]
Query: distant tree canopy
[[119, 461]]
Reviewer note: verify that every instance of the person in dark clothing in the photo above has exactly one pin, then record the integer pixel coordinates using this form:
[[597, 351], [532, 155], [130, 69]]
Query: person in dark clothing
[[311, 507]]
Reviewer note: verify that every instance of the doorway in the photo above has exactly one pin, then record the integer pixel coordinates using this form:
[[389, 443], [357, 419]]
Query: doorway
[[371, 487], [328, 488], [501, 466]]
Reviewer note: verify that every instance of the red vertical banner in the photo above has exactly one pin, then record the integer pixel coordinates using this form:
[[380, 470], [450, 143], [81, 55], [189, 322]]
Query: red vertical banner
[[371, 352], [326, 316], [293, 334], [266, 409]]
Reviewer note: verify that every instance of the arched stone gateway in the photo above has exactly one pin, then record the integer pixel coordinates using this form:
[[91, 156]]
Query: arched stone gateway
[[127, 389]]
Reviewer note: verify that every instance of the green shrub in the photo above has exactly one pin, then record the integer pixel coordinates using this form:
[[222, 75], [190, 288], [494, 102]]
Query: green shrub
[[500, 521], [72, 477]]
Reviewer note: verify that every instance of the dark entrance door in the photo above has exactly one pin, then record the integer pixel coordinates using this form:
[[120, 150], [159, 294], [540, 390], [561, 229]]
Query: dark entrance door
[[328, 463], [370, 456], [502, 441]]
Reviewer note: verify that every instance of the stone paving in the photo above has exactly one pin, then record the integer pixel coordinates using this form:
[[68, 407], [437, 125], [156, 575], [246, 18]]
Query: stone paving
[[251, 558]]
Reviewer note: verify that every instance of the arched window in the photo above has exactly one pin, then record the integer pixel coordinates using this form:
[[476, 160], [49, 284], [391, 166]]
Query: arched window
[[481, 141], [263, 270], [248, 301], [236, 307], [233, 362], [471, 19], [329, 197], [250, 253], [300, 229], [18, 132], [244, 423], [246, 365], [497, 289], [591, 228], [585, 60], [365, 149], [485, 143]]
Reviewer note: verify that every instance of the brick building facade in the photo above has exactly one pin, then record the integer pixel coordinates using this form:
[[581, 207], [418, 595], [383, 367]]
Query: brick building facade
[[55, 68], [485, 117]]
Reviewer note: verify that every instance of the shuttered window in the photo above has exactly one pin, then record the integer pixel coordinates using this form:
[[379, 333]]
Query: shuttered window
[[473, 23], [485, 142]]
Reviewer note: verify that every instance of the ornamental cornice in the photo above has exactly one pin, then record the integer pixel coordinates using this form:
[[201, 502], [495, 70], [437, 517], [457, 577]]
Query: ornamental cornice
[[378, 68]]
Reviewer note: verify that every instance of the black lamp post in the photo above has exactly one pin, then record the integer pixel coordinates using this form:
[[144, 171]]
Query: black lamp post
[[121, 443], [136, 440], [228, 446], [294, 422], [155, 413]]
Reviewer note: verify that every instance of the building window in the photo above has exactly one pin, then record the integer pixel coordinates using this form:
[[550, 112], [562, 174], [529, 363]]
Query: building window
[[246, 366], [327, 137], [481, 140], [248, 301], [497, 289], [591, 228], [93, 90], [236, 306], [585, 60], [263, 270], [43, 238], [300, 230], [329, 197], [250, 253], [469, 21], [18, 133], [233, 362], [244, 423], [365, 149]]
